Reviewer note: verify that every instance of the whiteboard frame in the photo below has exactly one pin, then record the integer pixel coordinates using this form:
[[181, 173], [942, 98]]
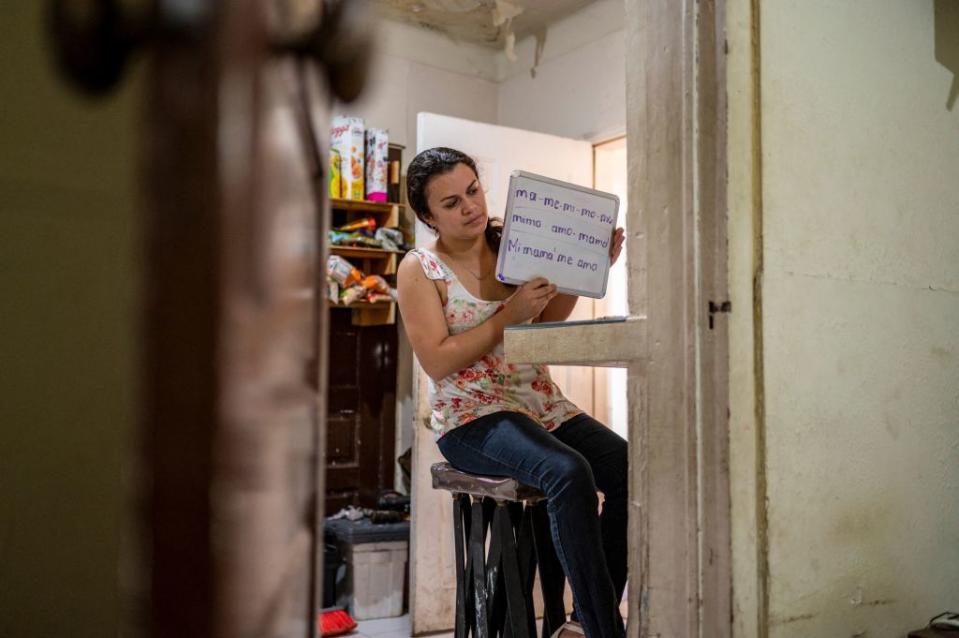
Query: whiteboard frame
[[507, 216]]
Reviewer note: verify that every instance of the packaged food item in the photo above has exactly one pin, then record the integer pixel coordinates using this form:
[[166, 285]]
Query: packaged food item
[[335, 179], [353, 239], [376, 297], [352, 295], [377, 285], [342, 272], [390, 238], [333, 290], [368, 223], [375, 282], [347, 137], [377, 164]]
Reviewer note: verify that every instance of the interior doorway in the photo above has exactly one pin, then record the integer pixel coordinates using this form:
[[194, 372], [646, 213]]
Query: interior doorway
[[498, 151]]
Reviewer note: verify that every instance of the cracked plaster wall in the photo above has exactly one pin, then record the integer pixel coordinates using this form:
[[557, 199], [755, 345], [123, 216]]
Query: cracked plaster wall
[[576, 86]]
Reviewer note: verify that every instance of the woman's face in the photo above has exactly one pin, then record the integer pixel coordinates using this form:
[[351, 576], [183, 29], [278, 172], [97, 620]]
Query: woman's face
[[457, 203]]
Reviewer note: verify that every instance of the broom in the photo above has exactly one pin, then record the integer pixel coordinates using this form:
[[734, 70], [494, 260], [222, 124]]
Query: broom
[[335, 622]]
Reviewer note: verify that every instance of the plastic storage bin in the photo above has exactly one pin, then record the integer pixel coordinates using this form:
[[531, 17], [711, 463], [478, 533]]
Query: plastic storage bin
[[375, 557]]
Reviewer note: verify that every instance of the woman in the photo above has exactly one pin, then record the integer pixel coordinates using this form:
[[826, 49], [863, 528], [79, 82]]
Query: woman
[[497, 418]]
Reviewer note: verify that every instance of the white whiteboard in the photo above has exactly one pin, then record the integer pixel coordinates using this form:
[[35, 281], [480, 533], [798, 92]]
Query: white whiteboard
[[557, 230]]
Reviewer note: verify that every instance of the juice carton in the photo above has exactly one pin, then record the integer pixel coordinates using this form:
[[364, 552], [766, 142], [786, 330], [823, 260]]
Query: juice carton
[[335, 179]]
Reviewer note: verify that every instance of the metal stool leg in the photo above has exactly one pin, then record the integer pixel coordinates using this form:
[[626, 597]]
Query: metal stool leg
[[494, 575], [526, 554], [460, 518], [478, 553], [516, 602]]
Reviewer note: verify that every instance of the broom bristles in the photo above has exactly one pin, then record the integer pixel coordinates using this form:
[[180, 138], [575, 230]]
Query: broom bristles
[[335, 622]]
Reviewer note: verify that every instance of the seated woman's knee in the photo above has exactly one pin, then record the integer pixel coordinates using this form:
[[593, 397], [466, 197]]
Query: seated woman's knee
[[571, 470]]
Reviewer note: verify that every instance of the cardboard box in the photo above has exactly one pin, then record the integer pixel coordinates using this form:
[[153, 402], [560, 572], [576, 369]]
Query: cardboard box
[[377, 164], [347, 138]]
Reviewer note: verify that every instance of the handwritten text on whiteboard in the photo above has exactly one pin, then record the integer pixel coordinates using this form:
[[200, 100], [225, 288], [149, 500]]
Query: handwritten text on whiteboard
[[562, 233]]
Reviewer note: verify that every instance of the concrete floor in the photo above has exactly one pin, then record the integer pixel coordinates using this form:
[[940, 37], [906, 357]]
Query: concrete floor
[[398, 627]]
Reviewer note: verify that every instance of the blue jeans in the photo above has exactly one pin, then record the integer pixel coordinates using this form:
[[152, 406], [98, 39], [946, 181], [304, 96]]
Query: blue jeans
[[568, 464]]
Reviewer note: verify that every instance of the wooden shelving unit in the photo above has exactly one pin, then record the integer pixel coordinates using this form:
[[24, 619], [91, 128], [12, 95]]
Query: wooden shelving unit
[[363, 207], [372, 261]]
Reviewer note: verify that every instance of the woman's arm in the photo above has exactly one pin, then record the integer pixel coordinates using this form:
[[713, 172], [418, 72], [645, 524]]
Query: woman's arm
[[441, 354], [559, 309]]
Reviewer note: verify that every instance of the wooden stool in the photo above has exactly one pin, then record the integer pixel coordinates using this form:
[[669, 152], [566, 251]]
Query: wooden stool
[[494, 589]]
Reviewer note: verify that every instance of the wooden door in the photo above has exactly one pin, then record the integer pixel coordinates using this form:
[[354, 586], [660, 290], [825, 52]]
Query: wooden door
[[233, 327], [361, 421], [233, 419]]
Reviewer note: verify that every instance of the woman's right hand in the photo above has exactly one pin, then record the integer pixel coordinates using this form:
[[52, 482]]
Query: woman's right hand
[[529, 300]]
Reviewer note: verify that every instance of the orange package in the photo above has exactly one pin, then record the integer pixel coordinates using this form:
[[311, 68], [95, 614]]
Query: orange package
[[342, 271]]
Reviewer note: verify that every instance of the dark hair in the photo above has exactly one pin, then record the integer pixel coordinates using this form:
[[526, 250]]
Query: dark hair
[[438, 161]]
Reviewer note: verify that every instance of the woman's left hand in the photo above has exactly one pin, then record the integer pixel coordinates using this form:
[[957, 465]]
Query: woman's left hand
[[617, 245]]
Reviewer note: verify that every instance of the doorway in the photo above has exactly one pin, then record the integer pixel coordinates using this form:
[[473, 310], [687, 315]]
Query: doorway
[[498, 151]]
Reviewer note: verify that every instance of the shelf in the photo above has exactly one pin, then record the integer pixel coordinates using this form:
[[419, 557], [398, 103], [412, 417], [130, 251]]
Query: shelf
[[372, 261], [370, 314], [362, 305], [360, 252], [382, 208]]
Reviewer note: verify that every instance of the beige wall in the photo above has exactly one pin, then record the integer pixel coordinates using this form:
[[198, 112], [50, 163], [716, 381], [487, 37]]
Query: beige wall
[[68, 280], [858, 439]]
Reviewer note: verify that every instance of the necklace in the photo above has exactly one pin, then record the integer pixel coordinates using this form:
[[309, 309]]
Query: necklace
[[477, 277], [474, 275]]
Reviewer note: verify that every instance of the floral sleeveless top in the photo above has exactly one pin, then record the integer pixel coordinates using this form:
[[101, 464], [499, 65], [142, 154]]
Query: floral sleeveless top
[[492, 384]]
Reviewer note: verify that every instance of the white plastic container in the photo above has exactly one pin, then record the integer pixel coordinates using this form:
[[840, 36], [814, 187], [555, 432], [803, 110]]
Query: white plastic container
[[376, 573]]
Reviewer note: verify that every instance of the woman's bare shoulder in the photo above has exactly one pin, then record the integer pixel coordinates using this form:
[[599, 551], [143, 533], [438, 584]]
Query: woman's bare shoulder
[[418, 278], [418, 293], [410, 268]]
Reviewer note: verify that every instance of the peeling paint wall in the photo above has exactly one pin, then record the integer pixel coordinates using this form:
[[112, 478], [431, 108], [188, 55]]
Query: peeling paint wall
[[860, 317], [575, 86], [417, 70]]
